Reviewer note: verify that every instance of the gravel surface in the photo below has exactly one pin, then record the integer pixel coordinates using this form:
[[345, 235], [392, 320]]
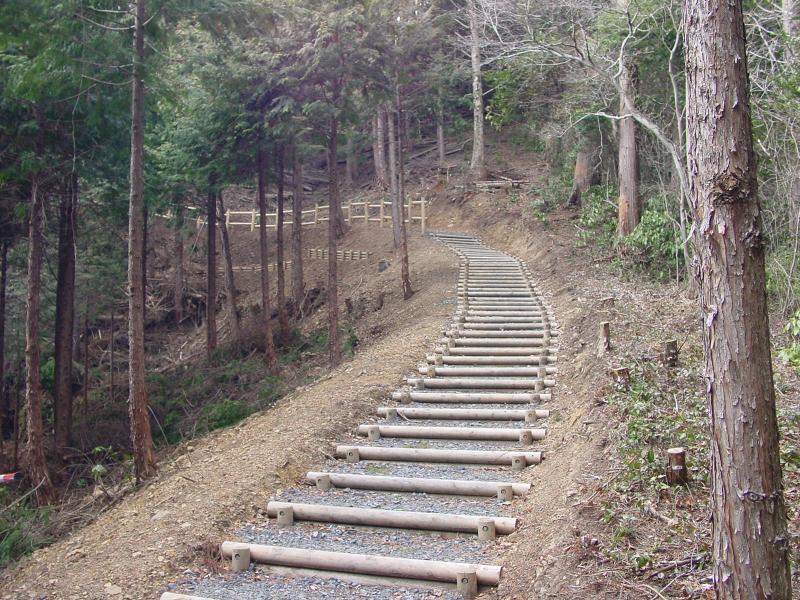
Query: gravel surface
[[261, 585], [453, 423], [435, 471], [448, 444], [470, 505], [392, 542]]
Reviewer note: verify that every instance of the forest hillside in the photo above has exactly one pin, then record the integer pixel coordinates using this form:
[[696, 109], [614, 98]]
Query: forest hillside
[[405, 299]]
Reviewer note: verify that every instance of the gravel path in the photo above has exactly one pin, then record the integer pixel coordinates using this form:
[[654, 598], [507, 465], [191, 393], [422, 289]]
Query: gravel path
[[390, 542], [436, 471], [468, 505], [261, 585]]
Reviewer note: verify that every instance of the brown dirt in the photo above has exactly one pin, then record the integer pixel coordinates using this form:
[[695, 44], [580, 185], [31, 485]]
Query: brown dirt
[[221, 480], [224, 478]]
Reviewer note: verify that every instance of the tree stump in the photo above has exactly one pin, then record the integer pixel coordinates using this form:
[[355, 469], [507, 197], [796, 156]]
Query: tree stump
[[604, 343], [621, 375], [677, 473], [669, 355]]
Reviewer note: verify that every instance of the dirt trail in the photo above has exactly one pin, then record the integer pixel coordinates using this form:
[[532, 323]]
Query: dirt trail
[[154, 535]]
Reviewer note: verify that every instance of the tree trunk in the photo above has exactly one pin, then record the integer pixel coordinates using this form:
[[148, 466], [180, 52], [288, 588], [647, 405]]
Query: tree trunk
[[111, 366], [270, 357], [180, 276], [789, 18], [393, 177], [401, 196], [141, 437], [283, 319], [334, 351], [477, 165], [211, 272], [351, 167], [629, 202], [298, 287], [4, 397], [230, 281], [379, 150], [37, 463], [65, 315], [750, 538], [145, 249], [440, 144], [582, 177]]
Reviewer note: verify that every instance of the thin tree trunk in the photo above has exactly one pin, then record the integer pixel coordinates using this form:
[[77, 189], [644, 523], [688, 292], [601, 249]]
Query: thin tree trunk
[[379, 149], [477, 163], [334, 350], [211, 272], [270, 357], [4, 397], [180, 276], [141, 437], [789, 15], [582, 176], [351, 166], [440, 144], [230, 281], [37, 463], [283, 319], [145, 249], [65, 315], [393, 177], [751, 544], [298, 286], [629, 201], [86, 359], [111, 366], [401, 195]]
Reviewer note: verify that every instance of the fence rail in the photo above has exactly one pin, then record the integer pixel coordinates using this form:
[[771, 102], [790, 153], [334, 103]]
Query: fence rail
[[364, 212]]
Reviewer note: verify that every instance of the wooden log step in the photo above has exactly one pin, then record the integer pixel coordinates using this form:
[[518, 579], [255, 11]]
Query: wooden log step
[[172, 596], [484, 371], [467, 414], [378, 517], [499, 434], [503, 319], [499, 351], [531, 359], [435, 397], [488, 328], [517, 334], [495, 342], [500, 294], [452, 487], [492, 383], [439, 455], [365, 564]]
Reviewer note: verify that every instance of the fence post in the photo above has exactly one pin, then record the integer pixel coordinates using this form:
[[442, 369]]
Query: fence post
[[422, 214], [253, 220], [316, 213], [381, 223], [349, 211]]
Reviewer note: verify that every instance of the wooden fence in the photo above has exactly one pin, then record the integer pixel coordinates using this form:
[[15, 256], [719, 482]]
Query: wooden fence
[[354, 212]]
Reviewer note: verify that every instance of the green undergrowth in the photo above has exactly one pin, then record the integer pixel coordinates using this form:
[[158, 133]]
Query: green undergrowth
[[653, 249], [23, 527], [648, 521]]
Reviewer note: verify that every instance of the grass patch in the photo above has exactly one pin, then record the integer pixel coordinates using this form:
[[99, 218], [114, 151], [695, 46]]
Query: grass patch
[[23, 527]]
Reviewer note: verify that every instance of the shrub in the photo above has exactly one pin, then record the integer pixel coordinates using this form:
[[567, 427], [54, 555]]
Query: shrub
[[653, 244], [224, 414], [598, 219]]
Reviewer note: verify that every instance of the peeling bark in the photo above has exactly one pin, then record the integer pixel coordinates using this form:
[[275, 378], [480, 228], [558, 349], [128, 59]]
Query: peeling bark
[[750, 537]]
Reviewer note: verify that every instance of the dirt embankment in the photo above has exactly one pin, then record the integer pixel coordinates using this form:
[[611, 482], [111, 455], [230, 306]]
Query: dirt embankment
[[155, 534]]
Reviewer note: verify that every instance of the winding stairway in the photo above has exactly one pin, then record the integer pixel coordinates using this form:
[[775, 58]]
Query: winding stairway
[[463, 429]]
